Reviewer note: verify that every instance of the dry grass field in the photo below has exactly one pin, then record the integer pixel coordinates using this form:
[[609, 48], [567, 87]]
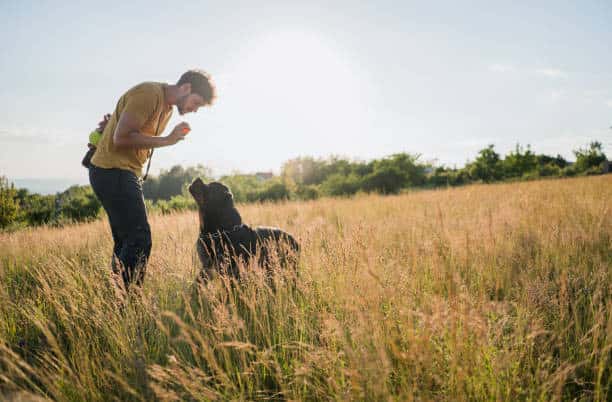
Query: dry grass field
[[486, 292]]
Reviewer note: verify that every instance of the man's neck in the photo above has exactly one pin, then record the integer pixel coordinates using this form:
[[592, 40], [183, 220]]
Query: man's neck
[[170, 94]]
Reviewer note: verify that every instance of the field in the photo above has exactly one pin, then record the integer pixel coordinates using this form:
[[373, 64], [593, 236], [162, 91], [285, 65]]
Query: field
[[486, 292]]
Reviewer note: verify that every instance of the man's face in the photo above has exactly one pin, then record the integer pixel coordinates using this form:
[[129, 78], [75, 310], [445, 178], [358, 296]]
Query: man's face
[[189, 103]]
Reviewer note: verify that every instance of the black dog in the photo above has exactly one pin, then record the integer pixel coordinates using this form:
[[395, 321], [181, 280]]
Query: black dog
[[225, 242]]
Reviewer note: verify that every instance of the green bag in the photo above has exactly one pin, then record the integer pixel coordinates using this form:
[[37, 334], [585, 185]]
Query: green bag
[[94, 138]]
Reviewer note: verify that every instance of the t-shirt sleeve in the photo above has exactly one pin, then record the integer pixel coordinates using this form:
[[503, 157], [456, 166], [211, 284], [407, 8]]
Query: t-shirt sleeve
[[141, 105]]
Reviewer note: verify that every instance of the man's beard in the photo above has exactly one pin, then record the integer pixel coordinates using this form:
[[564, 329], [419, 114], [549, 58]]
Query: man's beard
[[180, 103]]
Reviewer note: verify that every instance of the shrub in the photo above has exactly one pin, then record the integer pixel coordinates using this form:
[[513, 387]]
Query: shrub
[[9, 207], [589, 160], [78, 203], [273, 190], [307, 192], [38, 209], [487, 167], [338, 184], [549, 169]]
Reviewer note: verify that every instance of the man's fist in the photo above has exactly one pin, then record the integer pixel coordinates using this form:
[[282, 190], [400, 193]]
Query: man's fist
[[179, 133]]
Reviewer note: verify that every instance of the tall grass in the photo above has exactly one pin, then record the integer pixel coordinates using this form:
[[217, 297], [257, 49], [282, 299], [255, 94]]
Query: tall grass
[[498, 292]]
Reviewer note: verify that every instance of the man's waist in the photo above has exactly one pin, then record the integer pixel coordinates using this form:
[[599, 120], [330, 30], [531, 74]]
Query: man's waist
[[109, 166], [113, 169]]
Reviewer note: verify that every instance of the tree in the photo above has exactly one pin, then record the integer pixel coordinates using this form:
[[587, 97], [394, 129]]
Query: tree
[[171, 182], [310, 171], [150, 188], [272, 190], [9, 207], [38, 209], [520, 162], [443, 176], [306, 192], [389, 175], [337, 165], [78, 203], [590, 160], [338, 184], [386, 179], [487, 167], [558, 161], [304, 170], [241, 185]]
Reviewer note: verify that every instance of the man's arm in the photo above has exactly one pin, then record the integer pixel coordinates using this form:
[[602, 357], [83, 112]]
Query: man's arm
[[127, 134]]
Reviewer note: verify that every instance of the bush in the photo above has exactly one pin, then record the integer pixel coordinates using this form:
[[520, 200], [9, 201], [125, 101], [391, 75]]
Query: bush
[[171, 182], [442, 176], [38, 209], [589, 160], [178, 203], [273, 190], [241, 185], [78, 203], [307, 192], [558, 161], [9, 207], [487, 167], [182, 203], [385, 180], [520, 163], [569, 171], [338, 184], [549, 169]]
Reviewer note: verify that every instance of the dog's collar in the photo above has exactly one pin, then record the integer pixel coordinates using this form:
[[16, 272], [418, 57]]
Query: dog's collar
[[220, 233]]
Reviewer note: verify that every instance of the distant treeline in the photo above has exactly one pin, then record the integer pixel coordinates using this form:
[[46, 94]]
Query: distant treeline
[[304, 178]]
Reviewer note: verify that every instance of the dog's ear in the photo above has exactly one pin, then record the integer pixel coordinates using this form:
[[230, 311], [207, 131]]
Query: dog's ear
[[198, 190]]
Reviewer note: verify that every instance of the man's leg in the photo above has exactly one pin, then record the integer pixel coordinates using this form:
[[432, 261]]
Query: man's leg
[[104, 183], [134, 230], [121, 195], [118, 243]]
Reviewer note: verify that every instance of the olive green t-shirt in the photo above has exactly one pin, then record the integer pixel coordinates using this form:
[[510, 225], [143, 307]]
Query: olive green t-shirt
[[146, 102]]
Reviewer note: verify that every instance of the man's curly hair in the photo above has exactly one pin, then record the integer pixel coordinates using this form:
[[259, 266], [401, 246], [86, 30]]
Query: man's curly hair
[[201, 84]]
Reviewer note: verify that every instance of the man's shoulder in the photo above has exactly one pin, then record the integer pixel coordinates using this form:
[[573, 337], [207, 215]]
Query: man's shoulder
[[147, 87], [146, 95]]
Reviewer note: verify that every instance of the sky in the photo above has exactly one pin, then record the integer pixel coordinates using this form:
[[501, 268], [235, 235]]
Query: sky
[[360, 80]]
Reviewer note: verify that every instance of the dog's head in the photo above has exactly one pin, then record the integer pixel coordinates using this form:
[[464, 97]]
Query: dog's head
[[214, 196]]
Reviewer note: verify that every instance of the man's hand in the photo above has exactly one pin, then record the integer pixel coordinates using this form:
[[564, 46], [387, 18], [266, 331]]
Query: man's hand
[[127, 134], [179, 133], [103, 123]]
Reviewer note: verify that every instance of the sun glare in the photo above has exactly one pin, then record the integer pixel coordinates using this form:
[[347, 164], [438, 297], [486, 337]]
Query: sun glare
[[297, 78]]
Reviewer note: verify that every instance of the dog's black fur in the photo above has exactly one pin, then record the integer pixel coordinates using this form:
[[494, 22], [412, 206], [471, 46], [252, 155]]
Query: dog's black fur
[[225, 242]]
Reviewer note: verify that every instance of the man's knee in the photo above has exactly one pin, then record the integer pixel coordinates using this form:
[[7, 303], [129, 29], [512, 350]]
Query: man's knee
[[135, 254], [140, 239], [136, 246]]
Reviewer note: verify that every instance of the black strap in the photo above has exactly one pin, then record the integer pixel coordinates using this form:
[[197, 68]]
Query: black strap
[[153, 149], [148, 165]]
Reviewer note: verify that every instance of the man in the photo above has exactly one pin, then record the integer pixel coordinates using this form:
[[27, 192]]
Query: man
[[128, 139]]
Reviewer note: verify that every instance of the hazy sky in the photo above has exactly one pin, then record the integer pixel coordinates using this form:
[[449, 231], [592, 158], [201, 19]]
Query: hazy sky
[[357, 79]]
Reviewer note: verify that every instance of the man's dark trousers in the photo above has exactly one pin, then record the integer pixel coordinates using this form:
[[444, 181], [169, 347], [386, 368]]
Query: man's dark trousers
[[120, 192]]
